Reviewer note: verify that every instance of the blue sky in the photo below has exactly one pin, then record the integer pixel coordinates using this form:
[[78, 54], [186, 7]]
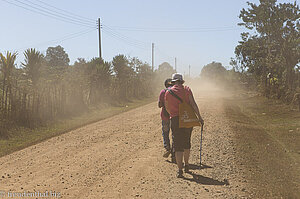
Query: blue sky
[[196, 32]]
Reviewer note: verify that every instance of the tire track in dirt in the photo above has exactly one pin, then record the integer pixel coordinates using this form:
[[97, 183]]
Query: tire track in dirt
[[121, 157]]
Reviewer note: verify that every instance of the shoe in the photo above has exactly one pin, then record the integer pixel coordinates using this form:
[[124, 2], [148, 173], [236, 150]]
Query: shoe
[[186, 168], [167, 153], [180, 174]]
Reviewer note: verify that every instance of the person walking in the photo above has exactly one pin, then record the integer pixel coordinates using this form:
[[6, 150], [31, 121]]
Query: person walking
[[182, 136], [165, 117]]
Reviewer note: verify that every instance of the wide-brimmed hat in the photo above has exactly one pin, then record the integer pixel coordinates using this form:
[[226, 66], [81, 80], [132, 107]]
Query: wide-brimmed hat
[[177, 77]]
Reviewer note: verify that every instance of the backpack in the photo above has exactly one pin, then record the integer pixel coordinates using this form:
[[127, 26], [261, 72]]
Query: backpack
[[187, 115]]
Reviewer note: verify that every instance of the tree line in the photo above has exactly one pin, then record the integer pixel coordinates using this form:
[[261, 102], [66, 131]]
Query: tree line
[[46, 87], [269, 53]]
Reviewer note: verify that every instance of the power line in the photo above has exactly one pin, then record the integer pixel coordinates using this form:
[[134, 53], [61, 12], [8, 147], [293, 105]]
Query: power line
[[70, 17], [128, 40], [48, 15], [64, 38], [80, 17], [112, 34], [126, 37], [174, 29]]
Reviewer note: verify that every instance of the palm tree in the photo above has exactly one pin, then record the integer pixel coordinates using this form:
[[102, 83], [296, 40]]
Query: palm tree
[[99, 74], [7, 66], [32, 65]]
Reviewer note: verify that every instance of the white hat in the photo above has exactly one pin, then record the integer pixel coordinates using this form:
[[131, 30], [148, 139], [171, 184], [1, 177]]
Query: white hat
[[177, 77]]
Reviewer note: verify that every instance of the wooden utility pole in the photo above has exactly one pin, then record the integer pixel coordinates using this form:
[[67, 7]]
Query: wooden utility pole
[[99, 32], [175, 64], [152, 57]]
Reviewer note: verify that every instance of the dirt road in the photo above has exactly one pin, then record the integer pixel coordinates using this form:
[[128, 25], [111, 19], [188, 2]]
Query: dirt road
[[121, 157]]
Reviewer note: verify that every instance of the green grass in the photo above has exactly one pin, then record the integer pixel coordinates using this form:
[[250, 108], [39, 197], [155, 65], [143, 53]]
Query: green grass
[[267, 134], [21, 137], [280, 121]]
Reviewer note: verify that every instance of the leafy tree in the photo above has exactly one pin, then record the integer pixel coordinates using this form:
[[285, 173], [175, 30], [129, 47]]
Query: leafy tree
[[123, 72], [142, 78], [270, 50], [80, 62], [121, 67], [56, 56], [46, 88], [164, 71], [213, 71]]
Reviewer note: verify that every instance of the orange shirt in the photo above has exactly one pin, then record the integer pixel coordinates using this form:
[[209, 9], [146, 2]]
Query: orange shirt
[[173, 103]]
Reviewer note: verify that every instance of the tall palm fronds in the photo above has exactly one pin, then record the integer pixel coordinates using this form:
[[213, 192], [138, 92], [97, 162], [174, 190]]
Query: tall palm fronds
[[32, 65], [7, 65]]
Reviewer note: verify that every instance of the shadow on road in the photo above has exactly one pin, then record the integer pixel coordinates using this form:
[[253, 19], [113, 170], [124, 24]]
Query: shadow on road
[[205, 180], [196, 167]]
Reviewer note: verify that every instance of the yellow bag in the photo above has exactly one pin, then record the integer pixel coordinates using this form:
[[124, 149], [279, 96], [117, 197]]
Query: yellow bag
[[187, 115]]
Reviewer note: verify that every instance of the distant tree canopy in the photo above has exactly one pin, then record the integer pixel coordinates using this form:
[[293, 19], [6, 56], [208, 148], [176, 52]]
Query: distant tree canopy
[[165, 68], [164, 71], [56, 56], [213, 71], [47, 87], [270, 51]]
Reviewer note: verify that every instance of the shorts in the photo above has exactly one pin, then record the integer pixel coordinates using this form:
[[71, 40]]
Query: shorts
[[182, 136]]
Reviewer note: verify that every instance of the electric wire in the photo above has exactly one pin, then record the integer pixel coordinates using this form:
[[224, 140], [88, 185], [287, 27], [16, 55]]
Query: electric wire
[[126, 37], [50, 13], [43, 8], [70, 13], [61, 39], [124, 41], [109, 30], [113, 35], [195, 29], [42, 13]]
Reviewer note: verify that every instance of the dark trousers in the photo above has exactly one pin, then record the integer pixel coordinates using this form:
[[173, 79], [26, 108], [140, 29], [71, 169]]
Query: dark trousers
[[181, 136]]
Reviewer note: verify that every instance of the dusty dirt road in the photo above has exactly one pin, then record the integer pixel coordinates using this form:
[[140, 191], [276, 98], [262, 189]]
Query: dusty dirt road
[[121, 157]]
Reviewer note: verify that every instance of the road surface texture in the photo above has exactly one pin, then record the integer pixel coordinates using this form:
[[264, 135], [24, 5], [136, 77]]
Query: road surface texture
[[121, 157]]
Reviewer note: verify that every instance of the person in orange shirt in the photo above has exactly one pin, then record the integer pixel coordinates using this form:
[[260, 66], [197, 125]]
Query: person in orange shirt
[[182, 136]]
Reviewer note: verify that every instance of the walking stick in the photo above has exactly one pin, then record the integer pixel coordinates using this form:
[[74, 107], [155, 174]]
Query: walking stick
[[201, 145]]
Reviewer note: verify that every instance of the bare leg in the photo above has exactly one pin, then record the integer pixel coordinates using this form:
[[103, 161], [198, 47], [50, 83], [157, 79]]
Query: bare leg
[[179, 158], [186, 155]]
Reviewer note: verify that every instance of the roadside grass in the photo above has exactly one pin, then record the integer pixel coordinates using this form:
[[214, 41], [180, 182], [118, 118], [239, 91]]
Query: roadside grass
[[268, 142], [22, 137]]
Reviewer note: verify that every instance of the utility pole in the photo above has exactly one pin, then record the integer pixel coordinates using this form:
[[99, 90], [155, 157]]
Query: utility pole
[[152, 57], [175, 64], [189, 71], [99, 32]]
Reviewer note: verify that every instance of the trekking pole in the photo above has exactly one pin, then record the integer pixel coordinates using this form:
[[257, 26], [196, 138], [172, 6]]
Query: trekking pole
[[201, 144]]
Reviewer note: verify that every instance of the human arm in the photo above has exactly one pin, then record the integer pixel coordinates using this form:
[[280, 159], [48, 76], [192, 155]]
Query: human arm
[[161, 99], [166, 102]]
